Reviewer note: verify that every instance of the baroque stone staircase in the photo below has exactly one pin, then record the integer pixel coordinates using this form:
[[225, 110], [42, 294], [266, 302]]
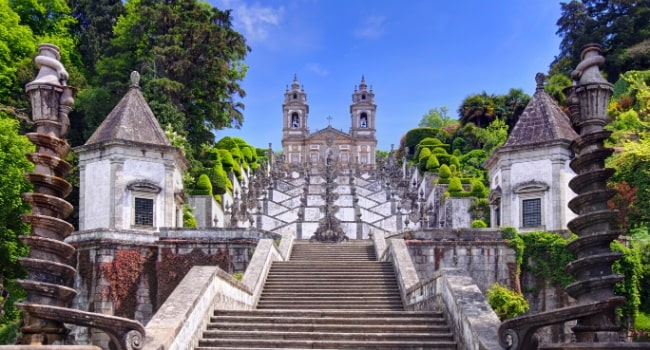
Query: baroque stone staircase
[[329, 296]]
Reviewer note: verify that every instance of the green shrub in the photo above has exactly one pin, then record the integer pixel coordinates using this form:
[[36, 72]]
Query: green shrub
[[203, 186], [439, 150], [188, 218], [237, 275], [430, 141], [226, 143], [506, 303], [642, 322], [444, 172], [432, 163], [454, 185], [478, 189], [227, 161], [220, 181], [424, 154], [237, 154], [248, 155], [479, 224]]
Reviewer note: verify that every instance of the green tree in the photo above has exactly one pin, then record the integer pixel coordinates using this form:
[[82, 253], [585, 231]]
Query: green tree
[[13, 163], [94, 28], [622, 27], [436, 118], [187, 53], [17, 45]]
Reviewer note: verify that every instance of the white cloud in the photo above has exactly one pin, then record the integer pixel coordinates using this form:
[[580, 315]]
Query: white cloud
[[255, 21], [372, 28], [317, 69]]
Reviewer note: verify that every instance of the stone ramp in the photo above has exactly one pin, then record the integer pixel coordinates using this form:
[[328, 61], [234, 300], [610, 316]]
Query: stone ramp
[[329, 296]]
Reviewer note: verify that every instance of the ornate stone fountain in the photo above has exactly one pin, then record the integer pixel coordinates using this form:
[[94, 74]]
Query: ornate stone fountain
[[593, 290], [329, 227], [50, 273]]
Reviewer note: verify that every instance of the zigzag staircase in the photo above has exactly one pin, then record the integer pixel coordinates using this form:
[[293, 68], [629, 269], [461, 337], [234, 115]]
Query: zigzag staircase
[[329, 296]]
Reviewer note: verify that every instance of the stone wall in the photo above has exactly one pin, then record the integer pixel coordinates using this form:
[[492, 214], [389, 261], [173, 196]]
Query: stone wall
[[482, 253], [130, 274]]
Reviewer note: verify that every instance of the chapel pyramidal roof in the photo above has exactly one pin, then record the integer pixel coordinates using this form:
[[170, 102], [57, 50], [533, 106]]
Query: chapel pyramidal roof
[[131, 120], [542, 121]]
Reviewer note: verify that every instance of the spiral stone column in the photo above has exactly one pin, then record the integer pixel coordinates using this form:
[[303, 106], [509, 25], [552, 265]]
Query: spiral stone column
[[50, 273], [592, 268]]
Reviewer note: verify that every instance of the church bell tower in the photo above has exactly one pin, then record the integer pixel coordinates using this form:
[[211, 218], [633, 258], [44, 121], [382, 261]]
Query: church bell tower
[[363, 127], [295, 130]]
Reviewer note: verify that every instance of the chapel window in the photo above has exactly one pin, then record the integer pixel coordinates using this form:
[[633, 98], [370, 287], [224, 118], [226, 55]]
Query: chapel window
[[295, 96], [143, 211], [531, 212], [295, 120], [363, 97]]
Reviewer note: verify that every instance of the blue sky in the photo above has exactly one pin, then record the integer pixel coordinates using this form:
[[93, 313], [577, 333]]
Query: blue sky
[[416, 55]]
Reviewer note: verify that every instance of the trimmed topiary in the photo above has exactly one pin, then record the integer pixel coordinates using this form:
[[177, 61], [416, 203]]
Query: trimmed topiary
[[189, 220], [478, 189], [455, 185], [203, 186], [424, 154], [479, 224], [444, 172], [432, 163], [227, 161]]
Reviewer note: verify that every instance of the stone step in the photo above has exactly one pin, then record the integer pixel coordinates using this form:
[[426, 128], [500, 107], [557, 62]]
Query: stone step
[[308, 326], [214, 344], [348, 293], [397, 316], [218, 334], [330, 306]]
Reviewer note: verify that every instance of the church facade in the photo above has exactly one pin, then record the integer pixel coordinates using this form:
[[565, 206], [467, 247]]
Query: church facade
[[357, 147]]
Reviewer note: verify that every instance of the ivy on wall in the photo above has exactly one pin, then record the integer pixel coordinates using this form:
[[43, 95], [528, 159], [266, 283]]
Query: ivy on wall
[[123, 275]]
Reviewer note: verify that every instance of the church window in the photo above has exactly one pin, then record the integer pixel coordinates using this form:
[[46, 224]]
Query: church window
[[345, 157], [314, 157], [363, 121], [295, 96], [143, 211], [363, 96], [295, 120], [531, 212]]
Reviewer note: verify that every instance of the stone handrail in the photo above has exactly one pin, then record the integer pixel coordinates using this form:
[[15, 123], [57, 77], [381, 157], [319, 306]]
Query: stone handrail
[[180, 320], [125, 334], [398, 254], [473, 321], [379, 241], [519, 333]]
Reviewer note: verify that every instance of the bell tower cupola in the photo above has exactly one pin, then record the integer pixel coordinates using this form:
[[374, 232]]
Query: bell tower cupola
[[362, 110], [295, 110], [362, 118]]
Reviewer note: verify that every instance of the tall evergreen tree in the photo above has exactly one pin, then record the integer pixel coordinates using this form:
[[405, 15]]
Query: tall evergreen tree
[[94, 28], [191, 61], [621, 26]]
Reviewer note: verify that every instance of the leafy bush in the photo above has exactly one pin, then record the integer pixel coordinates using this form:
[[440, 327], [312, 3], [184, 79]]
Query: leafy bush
[[439, 150], [423, 154], [444, 172], [188, 218], [432, 163], [479, 224], [630, 266], [414, 136], [642, 322], [478, 189], [506, 303], [227, 143], [203, 186], [227, 160], [455, 185]]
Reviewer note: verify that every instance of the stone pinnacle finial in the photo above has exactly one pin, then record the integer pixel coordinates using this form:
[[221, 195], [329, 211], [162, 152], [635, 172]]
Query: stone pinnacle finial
[[135, 79], [587, 71], [539, 79], [51, 69]]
